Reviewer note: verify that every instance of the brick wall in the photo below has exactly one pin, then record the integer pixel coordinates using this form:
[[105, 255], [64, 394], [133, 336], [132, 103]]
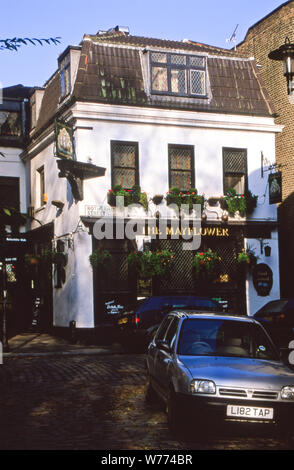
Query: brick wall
[[266, 35]]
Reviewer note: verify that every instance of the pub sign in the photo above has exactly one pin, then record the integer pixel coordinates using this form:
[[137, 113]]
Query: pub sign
[[64, 140], [275, 187]]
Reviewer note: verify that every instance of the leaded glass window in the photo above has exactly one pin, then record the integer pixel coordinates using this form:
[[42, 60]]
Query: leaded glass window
[[235, 169], [124, 164], [65, 76], [181, 166], [178, 74]]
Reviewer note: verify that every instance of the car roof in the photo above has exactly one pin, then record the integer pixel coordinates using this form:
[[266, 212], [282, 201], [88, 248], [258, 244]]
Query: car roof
[[287, 303], [209, 315]]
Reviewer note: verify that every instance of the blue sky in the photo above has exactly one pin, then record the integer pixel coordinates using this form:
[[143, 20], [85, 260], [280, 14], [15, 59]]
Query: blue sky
[[211, 22]]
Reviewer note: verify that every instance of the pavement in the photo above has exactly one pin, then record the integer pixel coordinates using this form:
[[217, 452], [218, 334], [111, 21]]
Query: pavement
[[44, 344]]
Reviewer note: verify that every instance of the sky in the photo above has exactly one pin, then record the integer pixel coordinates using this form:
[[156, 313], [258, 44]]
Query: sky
[[211, 22]]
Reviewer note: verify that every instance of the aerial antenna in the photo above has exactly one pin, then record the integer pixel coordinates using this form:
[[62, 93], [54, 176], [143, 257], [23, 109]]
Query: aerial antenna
[[233, 38]]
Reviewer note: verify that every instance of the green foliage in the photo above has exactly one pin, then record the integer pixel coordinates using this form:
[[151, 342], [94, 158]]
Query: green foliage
[[233, 202], [151, 263], [190, 197], [247, 257], [99, 257], [206, 262], [131, 196]]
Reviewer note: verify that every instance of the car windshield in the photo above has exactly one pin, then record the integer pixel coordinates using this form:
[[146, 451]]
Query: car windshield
[[221, 337]]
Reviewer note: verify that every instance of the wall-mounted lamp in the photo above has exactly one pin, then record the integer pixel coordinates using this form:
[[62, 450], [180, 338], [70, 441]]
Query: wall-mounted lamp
[[264, 248], [267, 250], [285, 53], [58, 204]]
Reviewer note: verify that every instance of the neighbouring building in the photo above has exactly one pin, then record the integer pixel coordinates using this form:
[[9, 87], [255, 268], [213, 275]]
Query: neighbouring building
[[15, 289], [148, 117], [263, 37]]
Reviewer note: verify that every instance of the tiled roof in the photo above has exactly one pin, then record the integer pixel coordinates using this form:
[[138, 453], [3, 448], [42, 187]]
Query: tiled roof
[[110, 71]]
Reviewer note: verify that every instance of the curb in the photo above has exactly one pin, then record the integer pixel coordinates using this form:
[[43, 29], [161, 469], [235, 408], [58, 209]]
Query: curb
[[63, 353]]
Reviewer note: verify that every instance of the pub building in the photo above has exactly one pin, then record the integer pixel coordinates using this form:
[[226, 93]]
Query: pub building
[[160, 123]]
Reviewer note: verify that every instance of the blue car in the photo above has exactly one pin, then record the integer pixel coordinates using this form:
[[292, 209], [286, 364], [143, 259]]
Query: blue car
[[137, 325]]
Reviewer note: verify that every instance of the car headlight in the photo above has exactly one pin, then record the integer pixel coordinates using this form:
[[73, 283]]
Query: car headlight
[[287, 393], [202, 386]]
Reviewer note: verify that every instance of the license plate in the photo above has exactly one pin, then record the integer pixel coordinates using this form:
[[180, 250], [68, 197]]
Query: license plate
[[122, 321], [250, 412]]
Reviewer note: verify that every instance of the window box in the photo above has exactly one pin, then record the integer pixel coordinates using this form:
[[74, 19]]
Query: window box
[[179, 198], [242, 203], [131, 196]]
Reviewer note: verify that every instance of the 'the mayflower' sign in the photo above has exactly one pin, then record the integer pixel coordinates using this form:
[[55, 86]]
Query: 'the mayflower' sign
[[64, 140]]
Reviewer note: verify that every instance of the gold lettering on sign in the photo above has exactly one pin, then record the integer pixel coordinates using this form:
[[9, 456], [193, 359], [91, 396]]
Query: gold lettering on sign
[[185, 231]]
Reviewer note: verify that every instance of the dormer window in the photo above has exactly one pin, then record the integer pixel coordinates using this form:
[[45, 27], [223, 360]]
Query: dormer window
[[65, 76], [178, 74]]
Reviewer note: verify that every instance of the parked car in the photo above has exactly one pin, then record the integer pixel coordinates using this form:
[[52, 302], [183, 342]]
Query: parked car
[[137, 325], [277, 317], [212, 369]]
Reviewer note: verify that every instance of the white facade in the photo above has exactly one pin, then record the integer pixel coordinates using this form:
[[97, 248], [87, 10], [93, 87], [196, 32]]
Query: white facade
[[96, 126]]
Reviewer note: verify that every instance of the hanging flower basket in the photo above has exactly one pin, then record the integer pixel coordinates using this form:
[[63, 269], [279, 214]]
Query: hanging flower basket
[[246, 258], [157, 199], [31, 259], [206, 265], [148, 264], [99, 258]]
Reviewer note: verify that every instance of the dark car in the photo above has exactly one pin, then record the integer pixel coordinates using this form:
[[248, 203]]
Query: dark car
[[137, 325], [277, 317], [213, 369]]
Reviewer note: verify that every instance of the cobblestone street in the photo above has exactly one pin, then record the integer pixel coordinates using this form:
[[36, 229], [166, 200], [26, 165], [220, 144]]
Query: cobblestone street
[[91, 402]]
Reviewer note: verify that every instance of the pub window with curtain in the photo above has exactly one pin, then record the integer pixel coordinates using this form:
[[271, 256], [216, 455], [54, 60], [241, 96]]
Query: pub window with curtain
[[124, 164], [181, 167], [235, 170]]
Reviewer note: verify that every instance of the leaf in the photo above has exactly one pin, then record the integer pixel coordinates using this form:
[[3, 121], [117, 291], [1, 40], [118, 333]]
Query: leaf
[[6, 211]]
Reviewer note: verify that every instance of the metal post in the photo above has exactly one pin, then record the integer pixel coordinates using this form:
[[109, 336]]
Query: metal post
[[4, 317]]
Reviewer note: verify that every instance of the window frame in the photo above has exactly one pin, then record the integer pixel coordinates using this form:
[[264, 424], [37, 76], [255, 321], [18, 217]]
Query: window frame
[[188, 67], [192, 171], [65, 69], [41, 188], [225, 173], [135, 168]]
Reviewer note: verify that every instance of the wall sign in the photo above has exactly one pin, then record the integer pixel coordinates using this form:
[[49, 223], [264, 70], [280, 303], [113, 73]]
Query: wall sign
[[262, 279], [275, 187], [64, 140], [113, 308]]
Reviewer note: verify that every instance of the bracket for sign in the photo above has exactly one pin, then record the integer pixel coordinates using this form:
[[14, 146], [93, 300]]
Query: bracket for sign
[[270, 166]]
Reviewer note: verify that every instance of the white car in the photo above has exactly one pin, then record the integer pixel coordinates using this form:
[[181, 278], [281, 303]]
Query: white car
[[214, 368]]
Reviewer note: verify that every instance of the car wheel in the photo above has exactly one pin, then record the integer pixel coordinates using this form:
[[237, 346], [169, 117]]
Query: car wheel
[[174, 414]]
